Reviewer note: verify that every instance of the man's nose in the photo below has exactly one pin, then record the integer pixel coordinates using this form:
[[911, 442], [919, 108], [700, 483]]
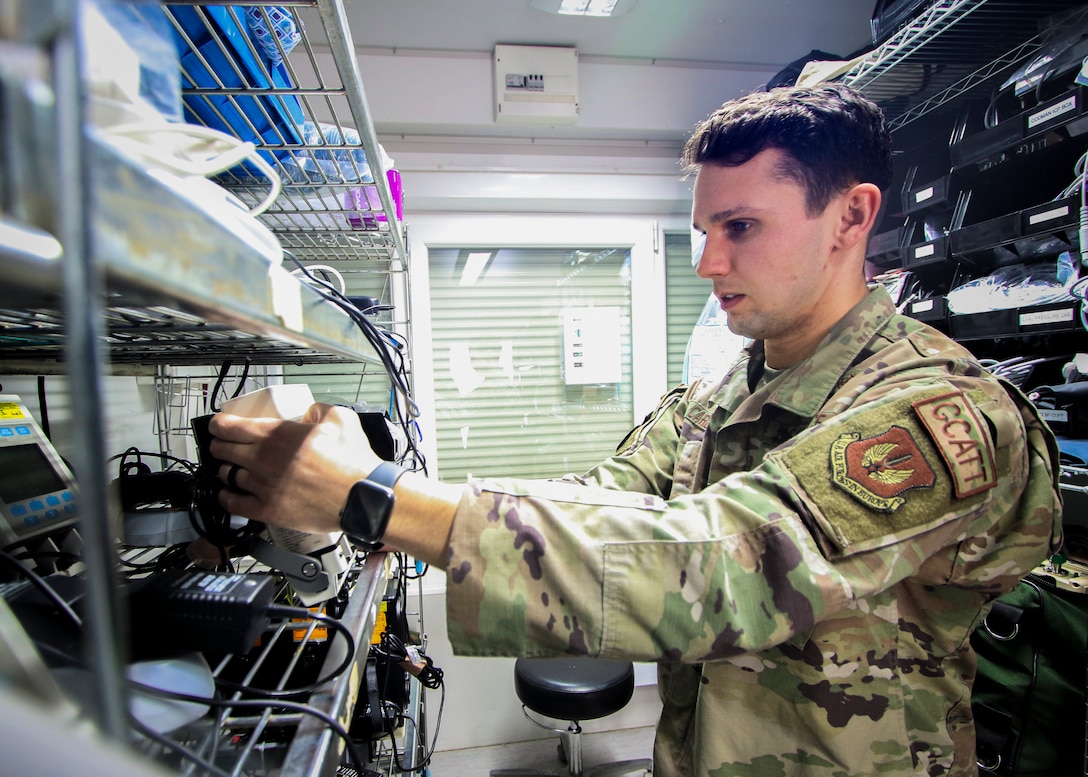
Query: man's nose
[[714, 260]]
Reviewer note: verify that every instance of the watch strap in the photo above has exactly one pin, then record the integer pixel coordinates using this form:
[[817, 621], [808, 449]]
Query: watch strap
[[386, 474]]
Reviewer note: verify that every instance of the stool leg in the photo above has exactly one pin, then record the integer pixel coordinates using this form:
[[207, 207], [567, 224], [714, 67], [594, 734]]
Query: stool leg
[[572, 746]]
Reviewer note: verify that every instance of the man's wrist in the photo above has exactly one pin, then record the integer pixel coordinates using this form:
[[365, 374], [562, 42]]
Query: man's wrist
[[365, 515]]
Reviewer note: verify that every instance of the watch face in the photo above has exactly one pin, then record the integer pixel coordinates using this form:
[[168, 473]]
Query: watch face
[[367, 511]]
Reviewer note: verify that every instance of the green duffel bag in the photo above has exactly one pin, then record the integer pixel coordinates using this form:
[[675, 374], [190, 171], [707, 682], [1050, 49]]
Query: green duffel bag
[[1029, 694]]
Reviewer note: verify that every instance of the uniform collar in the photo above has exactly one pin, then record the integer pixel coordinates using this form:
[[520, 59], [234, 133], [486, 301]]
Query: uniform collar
[[804, 388]]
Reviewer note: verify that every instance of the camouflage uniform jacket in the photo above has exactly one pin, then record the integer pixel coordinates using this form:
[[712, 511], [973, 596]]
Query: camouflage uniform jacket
[[806, 559]]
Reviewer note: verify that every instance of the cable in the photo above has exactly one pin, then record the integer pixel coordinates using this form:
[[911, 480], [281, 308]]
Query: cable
[[353, 752], [43, 409], [224, 369], [301, 612], [376, 337], [393, 649], [434, 739], [39, 582], [177, 747]]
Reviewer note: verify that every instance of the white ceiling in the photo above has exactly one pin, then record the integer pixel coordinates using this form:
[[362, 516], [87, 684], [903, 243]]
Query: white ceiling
[[732, 32], [644, 80]]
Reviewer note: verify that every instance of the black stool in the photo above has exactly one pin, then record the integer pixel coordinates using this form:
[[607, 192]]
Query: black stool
[[575, 689]]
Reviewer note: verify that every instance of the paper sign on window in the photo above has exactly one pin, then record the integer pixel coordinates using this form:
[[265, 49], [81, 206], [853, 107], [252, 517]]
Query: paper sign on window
[[591, 345]]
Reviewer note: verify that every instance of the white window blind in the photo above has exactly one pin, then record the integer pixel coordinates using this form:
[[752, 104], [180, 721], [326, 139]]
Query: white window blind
[[505, 331], [685, 295]]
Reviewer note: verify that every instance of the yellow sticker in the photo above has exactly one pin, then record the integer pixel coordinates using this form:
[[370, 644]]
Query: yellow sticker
[[11, 410], [319, 634], [380, 623]]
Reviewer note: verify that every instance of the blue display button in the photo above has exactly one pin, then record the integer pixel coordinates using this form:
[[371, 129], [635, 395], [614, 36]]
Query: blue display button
[[66, 496], [52, 500], [36, 504], [31, 520], [6, 431], [18, 510], [71, 509], [52, 515], [22, 430]]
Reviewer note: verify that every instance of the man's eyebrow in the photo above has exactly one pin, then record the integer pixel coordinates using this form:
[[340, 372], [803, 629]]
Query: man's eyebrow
[[730, 213]]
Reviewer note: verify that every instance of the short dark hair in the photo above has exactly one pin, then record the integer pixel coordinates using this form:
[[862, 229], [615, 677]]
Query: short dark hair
[[832, 137]]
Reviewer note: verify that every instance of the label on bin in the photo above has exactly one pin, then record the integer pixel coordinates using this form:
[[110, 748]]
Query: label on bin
[[924, 194], [1047, 215], [1058, 316], [1052, 112], [1060, 416]]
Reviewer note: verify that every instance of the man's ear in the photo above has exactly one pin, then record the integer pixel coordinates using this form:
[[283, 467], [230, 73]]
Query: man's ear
[[858, 208]]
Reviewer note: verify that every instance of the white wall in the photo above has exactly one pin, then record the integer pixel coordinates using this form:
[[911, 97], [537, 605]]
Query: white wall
[[451, 93]]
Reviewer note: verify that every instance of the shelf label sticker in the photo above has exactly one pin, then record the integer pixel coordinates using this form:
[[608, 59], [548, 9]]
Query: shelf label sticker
[[1059, 316], [1053, 213], [286, 291], [924, 194], [1053, 112], [923, 251], [923, 306]]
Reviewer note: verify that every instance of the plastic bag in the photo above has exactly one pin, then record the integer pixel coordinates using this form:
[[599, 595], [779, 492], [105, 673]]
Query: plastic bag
[[712, 346], [320, 166], [279, 25], [1016, 286], [143, 28]]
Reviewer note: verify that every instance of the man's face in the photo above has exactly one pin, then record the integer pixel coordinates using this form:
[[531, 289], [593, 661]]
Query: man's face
[[769, 260]]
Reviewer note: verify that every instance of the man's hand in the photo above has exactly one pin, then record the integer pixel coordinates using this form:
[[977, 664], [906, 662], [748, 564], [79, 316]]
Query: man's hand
[[293, 473]]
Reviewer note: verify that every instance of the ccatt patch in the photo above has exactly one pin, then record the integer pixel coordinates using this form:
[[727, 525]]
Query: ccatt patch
[[962, 439], [886, 470], [877, 470]]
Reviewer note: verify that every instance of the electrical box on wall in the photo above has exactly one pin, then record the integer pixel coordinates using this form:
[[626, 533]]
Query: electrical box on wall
[[536, 85]]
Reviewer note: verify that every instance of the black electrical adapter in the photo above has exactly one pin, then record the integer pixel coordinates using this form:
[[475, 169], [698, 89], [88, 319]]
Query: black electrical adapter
[[214, 612]]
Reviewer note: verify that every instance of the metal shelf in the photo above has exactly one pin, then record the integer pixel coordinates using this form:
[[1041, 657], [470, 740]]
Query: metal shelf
[[105, 262], [953, 48], [182, 288], [307, 112]]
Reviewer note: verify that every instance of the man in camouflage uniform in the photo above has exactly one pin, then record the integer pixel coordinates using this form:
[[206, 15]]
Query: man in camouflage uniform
[[803, 545]]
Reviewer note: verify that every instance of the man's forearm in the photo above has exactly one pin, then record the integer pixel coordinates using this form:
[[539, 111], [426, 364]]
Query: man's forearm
[[422, 517]]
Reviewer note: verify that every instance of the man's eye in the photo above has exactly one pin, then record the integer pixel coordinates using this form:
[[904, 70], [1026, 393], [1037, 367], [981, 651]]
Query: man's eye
[[739, 227]]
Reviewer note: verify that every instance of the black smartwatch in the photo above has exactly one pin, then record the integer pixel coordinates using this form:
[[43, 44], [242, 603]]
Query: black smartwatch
[[370, 503]]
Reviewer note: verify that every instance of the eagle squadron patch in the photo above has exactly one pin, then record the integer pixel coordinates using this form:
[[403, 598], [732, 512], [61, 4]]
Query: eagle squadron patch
[[877, 470]]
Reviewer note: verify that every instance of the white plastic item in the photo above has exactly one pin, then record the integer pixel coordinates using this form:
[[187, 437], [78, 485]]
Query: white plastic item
[[288, 401], [182, 156], [712, 346], [111, 70], [191, 150]]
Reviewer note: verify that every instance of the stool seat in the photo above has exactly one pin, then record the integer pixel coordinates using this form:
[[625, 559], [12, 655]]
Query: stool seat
[[573, 688]]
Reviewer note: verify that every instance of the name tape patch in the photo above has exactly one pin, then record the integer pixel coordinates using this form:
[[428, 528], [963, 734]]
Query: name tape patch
[[962, 439]]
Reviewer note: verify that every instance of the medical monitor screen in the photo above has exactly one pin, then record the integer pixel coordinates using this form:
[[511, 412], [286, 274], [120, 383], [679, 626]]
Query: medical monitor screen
[[25, 472]]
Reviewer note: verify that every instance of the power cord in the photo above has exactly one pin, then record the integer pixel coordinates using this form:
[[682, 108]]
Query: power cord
[[357, 760], [378, 339], [282, 611], [392, 649]]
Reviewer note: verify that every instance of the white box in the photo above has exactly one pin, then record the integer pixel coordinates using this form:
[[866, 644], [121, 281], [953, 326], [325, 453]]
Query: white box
[[536, 85]]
